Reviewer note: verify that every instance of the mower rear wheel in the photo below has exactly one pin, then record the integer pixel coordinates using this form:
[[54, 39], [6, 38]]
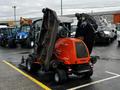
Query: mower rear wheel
[[60, 76]]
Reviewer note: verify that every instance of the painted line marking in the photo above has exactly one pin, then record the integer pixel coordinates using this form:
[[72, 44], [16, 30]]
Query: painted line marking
[[112, 73], [28, 76], [96, 82]]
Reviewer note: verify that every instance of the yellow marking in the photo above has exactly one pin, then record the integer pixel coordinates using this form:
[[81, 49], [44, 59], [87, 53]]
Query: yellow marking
[[28, 76]]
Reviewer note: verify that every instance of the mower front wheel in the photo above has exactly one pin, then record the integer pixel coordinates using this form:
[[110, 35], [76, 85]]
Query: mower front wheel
[[60, 76]]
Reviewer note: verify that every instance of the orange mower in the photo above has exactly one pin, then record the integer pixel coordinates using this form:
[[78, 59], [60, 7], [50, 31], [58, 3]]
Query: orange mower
[[56, 51]]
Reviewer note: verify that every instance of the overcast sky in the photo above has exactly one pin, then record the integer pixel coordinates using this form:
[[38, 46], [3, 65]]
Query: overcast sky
[[32, 8]]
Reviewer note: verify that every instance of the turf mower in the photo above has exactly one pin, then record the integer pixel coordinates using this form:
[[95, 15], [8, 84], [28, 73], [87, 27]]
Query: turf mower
[[55, 51]]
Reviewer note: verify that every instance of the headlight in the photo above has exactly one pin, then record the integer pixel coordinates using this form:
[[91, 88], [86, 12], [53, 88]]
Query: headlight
[[107, 32]]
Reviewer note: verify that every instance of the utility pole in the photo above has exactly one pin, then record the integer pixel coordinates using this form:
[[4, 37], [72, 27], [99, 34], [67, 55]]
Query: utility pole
[[14, 7], [61, 9]]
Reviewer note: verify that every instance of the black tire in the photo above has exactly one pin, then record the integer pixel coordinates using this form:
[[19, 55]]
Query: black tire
[[23, 45], [118, 43], [12, 44], [60, 76], [115, 37], [29, 43], [109, 41], [88, 74], [3, 43], [32, 67]]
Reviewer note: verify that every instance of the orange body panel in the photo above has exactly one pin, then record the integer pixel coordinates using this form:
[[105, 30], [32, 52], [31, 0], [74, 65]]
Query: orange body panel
[[65, 51]]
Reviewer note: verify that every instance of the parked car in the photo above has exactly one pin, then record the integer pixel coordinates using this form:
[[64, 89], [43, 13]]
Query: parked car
[[105, 34], [106, 30], [114, 30]]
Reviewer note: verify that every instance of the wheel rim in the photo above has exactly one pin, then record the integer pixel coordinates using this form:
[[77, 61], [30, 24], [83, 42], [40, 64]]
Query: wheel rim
[[56, 77], [32, 44]]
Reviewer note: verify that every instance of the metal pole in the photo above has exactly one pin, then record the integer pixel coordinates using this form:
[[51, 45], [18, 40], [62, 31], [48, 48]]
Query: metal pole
[[61, 9], [14, 7]]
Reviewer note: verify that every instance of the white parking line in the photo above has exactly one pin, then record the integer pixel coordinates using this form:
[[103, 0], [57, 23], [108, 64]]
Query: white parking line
[[112, 73], [95, 82]]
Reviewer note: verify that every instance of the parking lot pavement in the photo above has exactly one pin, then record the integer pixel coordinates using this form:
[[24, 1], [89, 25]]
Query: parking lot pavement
[[102, 79], [11, 79], [106, 71]]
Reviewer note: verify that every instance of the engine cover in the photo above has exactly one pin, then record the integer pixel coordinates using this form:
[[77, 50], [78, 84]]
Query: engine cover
[[71, 51]]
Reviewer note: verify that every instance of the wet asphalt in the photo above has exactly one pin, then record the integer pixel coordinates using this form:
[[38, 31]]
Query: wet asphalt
[[101, 80], [10, 79]]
